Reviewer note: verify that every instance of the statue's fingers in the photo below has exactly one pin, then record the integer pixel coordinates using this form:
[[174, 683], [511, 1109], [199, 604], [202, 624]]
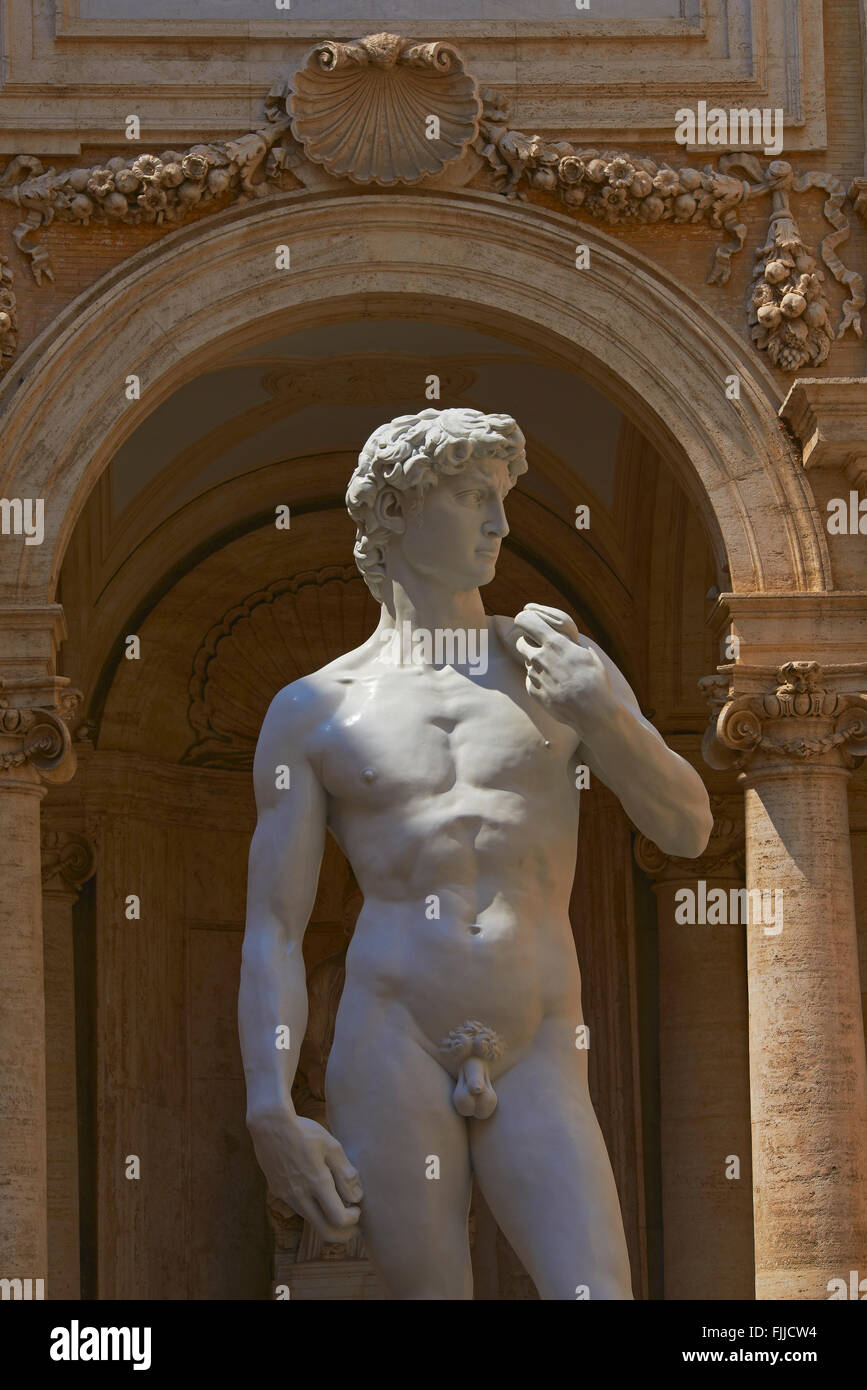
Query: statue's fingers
[[337, 1235], [346, 1178], [556, 616], [551, 615], [529, 651], [533, 624], [339, 1217], [305, 1206], [559, 620], [557, 623]]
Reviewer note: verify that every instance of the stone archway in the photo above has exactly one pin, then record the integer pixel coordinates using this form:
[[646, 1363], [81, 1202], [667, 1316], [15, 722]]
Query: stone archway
[[171, 311]]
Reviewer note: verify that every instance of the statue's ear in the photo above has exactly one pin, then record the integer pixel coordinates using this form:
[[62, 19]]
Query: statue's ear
[[389, 510]]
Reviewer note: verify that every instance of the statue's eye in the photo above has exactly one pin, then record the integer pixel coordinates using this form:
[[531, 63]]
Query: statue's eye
[[472, 497]]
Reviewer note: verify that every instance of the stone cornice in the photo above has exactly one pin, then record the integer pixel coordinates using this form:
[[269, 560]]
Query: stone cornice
[[321, 116], [31, 635], [828, 625], [829, 417], [812, 713]]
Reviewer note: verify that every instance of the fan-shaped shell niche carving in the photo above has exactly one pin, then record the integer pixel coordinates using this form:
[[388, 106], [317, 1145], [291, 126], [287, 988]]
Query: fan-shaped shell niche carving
[[273, 637], [364, 109]]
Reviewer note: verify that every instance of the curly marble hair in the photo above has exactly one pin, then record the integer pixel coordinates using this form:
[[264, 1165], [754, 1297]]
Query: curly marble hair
[[409, 454]]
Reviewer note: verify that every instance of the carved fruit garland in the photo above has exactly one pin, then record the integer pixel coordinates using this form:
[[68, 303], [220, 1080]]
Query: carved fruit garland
[[788, 311], [788, 306], [363, 110], [8, 315]]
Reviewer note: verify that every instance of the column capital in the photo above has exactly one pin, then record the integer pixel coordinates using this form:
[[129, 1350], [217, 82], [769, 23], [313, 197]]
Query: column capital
[[802, 712], [724, 856], [68, 861], [35, 715]]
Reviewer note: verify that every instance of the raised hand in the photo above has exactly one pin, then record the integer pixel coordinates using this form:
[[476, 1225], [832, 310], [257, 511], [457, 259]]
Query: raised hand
[[568, 679]]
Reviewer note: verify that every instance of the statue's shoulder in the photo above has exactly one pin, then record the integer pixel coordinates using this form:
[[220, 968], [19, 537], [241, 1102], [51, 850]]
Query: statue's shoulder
[[306, 702]]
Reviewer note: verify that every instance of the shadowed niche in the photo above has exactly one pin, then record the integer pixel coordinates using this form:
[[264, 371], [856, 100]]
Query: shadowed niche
[[273, 637]]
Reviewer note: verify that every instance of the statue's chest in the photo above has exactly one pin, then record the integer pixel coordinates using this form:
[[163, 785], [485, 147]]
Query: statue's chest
[[421, 732]]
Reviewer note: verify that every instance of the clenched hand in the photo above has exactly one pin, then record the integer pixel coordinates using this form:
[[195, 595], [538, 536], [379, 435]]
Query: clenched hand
[[567, 679]]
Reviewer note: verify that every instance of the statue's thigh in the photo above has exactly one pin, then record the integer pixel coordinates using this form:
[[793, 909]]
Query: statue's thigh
[[389, 1104], [543, 1168]]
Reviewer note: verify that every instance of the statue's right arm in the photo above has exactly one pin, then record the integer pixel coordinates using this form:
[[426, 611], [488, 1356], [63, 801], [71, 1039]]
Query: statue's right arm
[[304, 1164]]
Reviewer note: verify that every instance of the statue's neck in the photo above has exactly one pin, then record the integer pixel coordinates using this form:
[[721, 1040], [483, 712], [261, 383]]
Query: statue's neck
[[431, 608]]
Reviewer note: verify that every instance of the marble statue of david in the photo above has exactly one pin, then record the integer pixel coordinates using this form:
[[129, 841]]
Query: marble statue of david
[[450, 785]]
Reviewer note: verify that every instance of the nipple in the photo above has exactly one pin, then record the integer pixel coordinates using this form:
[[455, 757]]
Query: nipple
[[474, 1046]]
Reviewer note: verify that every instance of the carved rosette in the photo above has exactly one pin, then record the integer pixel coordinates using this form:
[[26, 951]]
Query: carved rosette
[[724, 855], [802, 718], [364, 110], [38, 737], [68, 861]]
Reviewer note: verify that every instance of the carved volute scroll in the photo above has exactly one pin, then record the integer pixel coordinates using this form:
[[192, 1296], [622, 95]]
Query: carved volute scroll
[[38, 736], [68, 860], [808, 714]]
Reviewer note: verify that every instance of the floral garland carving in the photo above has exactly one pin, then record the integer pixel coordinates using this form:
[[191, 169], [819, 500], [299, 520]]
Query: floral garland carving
[[8, 315], [148, 188], [788, 309]]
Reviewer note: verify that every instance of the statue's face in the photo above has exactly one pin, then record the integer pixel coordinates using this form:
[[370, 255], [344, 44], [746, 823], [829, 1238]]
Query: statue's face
[[456, 539]]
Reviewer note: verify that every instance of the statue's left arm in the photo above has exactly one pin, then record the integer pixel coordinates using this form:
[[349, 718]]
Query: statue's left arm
[[580, 686]]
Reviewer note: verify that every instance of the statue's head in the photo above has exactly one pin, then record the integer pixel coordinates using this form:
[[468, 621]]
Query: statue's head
[[471, 459]]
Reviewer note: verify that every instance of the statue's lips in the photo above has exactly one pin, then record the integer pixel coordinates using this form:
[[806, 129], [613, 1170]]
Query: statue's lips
[[489, 554]]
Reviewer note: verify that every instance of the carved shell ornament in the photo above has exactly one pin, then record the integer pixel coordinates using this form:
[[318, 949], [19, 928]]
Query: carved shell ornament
[[270, 638], [364, 109]]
